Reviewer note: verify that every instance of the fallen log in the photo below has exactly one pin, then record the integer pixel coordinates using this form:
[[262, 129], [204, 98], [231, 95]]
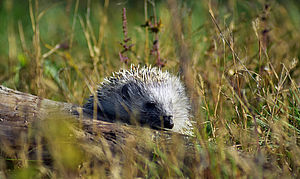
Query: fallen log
[[22, 113], [19, 110]]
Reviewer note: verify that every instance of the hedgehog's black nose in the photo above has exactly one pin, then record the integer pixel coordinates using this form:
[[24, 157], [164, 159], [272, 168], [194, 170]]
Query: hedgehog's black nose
[[168, 122]]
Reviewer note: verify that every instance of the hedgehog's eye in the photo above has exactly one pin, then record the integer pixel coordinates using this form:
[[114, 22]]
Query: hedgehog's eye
[[150, 105]]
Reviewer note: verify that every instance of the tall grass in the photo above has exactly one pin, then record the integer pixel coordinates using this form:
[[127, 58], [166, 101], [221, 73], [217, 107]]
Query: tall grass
[[239, 61]]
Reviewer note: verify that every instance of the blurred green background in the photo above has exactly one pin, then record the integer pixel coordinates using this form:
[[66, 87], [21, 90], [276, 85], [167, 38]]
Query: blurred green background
[[56, 19]]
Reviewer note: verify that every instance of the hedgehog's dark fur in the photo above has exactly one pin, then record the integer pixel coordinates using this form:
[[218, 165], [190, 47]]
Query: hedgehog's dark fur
[[144, 96]]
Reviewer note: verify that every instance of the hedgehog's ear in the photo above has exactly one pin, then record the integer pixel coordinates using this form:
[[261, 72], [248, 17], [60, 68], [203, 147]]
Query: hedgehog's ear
[[125, 91]]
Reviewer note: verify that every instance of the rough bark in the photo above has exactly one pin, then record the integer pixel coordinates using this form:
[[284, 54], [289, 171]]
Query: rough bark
[[18, 111]]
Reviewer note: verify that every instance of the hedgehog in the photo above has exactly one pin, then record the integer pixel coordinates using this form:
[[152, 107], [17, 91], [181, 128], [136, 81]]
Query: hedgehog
[[144, 96]]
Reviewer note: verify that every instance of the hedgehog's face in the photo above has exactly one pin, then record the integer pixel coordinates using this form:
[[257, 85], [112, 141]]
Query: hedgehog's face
[[160, 106], [170, 96], [153, 115], [145, 109]]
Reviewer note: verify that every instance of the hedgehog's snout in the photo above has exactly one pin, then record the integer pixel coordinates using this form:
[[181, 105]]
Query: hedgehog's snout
[[168, 122]]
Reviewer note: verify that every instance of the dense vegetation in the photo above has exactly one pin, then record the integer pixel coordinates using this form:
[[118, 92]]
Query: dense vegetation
[[239, 61]]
